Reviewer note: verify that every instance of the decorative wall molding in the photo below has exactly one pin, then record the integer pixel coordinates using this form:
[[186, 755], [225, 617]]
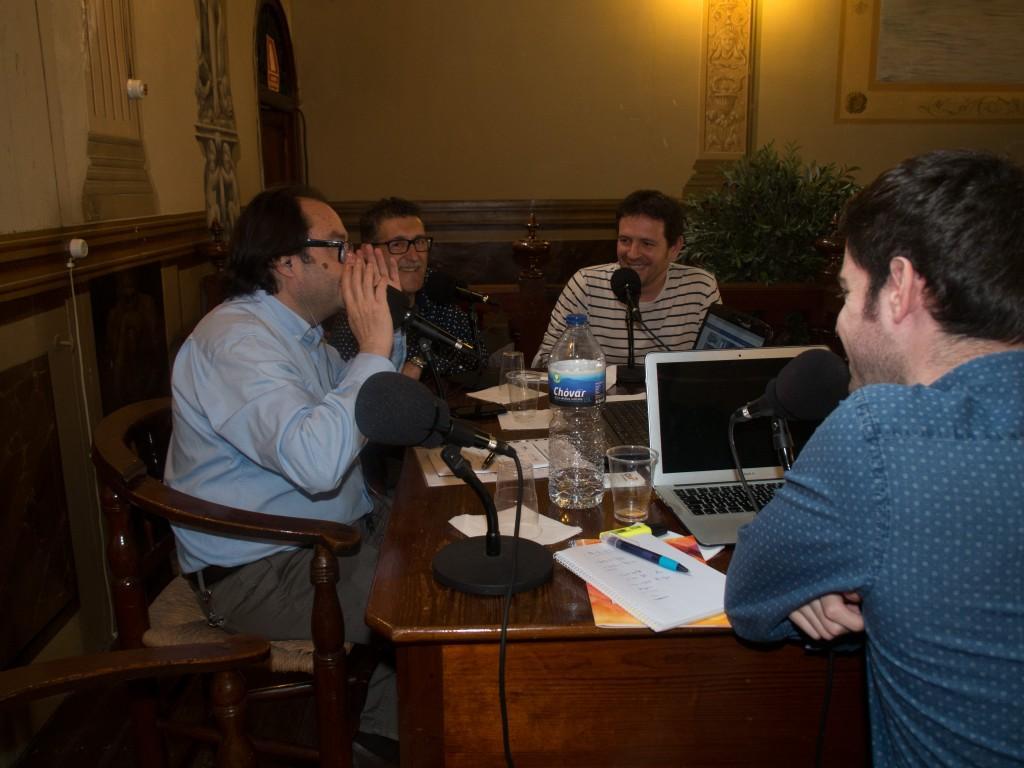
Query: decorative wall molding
[[495, 215], [727, 66], [215, 126], [32, 263], [117, 184]]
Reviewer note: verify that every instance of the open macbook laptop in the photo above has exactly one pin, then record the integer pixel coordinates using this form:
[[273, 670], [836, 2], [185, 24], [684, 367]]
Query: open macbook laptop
[[690, 396], [724, 327], [625, 422]]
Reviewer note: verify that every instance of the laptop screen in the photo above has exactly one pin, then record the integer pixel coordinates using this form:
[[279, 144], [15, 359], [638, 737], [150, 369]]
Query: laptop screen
[[722, 330], [689, 408]]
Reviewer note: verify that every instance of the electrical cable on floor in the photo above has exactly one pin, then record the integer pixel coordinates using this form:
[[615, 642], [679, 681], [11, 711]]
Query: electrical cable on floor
[[505, 609], [76, 333]]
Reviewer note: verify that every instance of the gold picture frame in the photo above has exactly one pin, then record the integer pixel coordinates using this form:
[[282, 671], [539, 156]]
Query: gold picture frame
[[898, 63]]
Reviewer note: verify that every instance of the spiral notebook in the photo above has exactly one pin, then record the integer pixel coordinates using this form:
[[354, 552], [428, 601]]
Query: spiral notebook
[[660, 598]]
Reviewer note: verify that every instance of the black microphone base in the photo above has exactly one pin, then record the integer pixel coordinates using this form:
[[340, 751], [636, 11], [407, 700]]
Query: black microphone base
[[465, 566], [627, 375]]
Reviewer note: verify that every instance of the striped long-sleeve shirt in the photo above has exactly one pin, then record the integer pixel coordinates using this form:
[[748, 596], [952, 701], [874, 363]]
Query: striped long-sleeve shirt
[[674, 317]]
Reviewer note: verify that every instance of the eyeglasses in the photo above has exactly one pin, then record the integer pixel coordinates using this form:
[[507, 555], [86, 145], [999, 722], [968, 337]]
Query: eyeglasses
[[341, 245], [400, 245]]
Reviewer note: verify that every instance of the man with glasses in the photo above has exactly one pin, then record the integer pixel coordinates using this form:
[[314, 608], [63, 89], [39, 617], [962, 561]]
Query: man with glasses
[[264, 420], [395, 225]]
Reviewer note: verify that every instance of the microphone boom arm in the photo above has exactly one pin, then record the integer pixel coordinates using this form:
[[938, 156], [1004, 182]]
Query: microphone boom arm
[[462, 469]]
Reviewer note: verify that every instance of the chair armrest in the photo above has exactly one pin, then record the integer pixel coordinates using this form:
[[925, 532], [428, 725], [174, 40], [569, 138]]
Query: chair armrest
[[188, 511], [52, 677], [121, 468]]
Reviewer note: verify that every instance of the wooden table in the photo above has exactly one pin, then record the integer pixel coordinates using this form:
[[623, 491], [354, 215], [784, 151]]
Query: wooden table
[[579, 695]]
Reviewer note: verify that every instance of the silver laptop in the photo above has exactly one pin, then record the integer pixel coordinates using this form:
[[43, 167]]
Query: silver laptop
[[690, 396]]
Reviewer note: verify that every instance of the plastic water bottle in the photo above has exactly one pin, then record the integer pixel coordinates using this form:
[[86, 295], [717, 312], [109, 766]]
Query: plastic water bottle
[[576, 436]]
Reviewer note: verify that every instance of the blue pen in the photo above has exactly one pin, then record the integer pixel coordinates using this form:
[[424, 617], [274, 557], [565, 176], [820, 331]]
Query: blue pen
[[646, 554]]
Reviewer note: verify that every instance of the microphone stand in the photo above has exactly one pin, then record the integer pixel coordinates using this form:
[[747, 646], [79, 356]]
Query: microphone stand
[[497, 564], [783, 441], [631, 374], [427, 350]]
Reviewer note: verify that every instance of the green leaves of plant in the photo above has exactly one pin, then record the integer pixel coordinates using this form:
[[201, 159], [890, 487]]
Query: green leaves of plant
[[761, 225]]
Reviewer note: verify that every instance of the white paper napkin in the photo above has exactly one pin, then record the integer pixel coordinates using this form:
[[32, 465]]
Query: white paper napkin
[[525, 420], [551, 531], [496, 394]]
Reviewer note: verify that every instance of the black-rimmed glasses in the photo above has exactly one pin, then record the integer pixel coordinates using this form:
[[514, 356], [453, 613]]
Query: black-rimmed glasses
[[400, 245], [341, 245]]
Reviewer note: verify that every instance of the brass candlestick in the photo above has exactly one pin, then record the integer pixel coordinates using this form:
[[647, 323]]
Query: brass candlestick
[[531, 252]]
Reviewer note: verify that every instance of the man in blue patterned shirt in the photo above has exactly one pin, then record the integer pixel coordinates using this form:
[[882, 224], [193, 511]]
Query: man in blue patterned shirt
[[904, 515], [396, 226]]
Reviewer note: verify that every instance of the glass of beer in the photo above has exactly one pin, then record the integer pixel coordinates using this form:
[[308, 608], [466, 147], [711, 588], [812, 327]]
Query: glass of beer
[[630, 471]]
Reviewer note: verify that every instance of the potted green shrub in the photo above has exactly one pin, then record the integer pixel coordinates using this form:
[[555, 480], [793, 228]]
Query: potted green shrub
[[761, 226]]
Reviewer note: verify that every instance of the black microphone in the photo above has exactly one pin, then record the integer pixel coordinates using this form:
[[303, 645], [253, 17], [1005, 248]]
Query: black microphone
[[395, 410], [402, 315], [808, 388], [626, 287], [445, 289]]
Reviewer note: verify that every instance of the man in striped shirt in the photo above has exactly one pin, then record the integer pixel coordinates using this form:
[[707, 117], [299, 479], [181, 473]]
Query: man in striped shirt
[[673, 297]]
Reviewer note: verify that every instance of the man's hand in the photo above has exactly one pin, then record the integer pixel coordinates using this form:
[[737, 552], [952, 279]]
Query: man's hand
[[829, 616], [364, 291]]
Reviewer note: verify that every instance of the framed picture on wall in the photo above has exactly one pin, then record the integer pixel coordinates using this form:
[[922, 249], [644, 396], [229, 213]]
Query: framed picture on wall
[[939, 60]]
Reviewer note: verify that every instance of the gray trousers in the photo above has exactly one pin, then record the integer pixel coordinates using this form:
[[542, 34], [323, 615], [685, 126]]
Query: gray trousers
[[273, 598]]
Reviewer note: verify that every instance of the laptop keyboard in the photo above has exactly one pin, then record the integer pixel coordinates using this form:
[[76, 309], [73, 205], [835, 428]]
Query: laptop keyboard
[[725, 499], [625, 422]]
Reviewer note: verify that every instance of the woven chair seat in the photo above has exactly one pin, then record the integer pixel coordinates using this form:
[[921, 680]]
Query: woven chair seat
[[176, 618]]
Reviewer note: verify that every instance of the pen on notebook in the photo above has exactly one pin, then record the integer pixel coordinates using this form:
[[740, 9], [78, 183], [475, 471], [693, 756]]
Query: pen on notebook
[[646, 554]]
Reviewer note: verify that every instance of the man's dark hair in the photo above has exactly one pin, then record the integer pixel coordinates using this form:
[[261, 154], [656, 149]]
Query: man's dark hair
[[655, 205], [272, 225], [384, 209], [958, 217]]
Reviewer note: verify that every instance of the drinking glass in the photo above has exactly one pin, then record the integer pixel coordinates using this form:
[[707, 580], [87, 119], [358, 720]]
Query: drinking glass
[[511, 361], [524, 391], [506, 491], [630, 471]]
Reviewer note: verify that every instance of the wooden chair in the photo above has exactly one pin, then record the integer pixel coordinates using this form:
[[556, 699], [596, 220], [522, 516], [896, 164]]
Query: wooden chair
[[35, 681], [129, 446]]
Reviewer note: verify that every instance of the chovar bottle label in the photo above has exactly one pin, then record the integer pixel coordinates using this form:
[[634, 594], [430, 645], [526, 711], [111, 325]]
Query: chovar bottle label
[[576, 382]]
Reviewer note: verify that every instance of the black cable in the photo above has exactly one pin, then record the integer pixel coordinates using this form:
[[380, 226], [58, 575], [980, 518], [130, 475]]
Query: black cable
[[819, 746], [505, 610], [428, 354], [652, 335], [739, 467]]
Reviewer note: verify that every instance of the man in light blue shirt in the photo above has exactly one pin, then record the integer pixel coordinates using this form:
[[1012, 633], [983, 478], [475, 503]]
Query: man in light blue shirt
[[904, 515], [264, 414]]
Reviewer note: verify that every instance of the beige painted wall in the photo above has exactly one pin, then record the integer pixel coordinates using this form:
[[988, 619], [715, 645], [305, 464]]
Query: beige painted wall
[[798, 63], [460, 99], [485, 99]]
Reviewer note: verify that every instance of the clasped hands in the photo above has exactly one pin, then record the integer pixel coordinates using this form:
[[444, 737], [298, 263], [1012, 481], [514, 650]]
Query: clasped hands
[[829, 616], [366, 275]]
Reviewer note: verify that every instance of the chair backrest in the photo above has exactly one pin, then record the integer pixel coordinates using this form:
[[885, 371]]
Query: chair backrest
[[129, 446]]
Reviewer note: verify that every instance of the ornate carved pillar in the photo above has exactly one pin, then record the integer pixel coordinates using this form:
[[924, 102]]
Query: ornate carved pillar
[[726, 88], [215, 127]]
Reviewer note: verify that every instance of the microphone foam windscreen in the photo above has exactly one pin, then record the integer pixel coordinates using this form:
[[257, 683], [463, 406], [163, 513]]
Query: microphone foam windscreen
[[395, 410], [441, 287], [810, 386], [624, 279]]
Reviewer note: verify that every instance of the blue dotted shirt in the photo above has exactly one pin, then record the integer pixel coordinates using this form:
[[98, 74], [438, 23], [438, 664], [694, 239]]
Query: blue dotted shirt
[[448, 317], [914, 498]]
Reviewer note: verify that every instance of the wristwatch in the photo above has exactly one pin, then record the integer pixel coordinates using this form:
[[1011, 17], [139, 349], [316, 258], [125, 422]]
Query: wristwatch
[[416, 360]]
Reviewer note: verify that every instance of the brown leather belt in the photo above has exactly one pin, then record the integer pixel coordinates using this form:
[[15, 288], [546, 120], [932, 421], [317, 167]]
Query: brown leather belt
[[211, 575]]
